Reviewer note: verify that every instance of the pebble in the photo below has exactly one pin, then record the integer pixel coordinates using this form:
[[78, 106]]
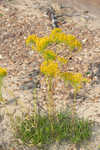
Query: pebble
[[29, 85], [1, 57]]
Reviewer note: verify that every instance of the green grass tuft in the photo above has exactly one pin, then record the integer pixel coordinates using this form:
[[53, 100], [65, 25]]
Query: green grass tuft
[[1, 15], [44, 131]]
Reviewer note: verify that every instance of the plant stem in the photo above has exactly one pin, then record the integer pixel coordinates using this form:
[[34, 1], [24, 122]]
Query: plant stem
[[74, 105], [1, 98], [50, 103], [35, 106]]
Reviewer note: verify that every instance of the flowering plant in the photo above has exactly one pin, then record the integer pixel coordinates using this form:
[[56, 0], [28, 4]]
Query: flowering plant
[[42, 130], [3, 73], [50, 67]]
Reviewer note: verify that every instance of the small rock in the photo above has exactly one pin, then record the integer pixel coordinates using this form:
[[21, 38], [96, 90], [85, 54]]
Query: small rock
[[1, 118], [30, 85], [1, 147], [84, 41], [31, 53], [34, 73], [1, 57]]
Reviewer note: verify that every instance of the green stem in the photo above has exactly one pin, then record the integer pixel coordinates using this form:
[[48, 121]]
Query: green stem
[[35, 106], [50, 103], [74, 105], [1, 84]]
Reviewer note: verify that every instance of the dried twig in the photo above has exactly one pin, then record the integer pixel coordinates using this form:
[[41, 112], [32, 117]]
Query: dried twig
[[52, 17]]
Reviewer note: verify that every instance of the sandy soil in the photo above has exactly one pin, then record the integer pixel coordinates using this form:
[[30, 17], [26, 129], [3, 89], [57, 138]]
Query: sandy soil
[[19, 19], [92, 6]]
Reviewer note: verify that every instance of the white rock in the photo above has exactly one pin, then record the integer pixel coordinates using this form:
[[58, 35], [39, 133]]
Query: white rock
[[1, 57], [83, 41]]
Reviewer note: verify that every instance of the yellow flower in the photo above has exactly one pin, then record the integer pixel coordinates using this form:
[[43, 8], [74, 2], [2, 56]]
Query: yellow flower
[[62, 37], [42, 43], [49, 54], [54, 36], [31, 39], [3, 72], [56, 30], [50, 68], [72, 42], [75, 79], [62, 60], [34, 47], [77, 45], [57, 36], [69, 39]]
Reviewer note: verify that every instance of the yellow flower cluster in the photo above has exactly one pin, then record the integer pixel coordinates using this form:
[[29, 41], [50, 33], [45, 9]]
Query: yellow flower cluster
[[3, 72], [42, 43], [56, 36], [62, 37], [37, 43], [49, 54], [72, 42], [50, 68], [69, 40], [31, 39], [75, 79], [56, 30]]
